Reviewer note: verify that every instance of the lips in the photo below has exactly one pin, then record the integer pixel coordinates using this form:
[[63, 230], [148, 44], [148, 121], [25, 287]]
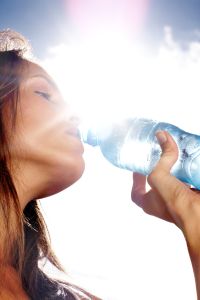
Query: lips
[[75, 133]]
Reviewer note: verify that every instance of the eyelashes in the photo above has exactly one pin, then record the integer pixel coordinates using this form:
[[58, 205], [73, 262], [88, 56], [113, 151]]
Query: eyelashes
[[45, 95]]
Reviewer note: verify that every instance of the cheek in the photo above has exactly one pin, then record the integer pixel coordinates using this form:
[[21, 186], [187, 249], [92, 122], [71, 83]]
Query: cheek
[[65, 158], [55, 153], [37, 129], [34, 115], [41, 141]]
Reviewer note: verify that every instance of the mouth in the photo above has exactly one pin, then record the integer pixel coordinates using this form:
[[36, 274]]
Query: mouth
[[75, 134]]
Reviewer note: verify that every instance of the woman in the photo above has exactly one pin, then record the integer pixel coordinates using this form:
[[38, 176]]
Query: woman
[[40, 155]]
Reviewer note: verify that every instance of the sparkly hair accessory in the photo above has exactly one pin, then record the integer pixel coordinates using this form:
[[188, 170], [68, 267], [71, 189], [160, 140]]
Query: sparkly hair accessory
[[12, 40]]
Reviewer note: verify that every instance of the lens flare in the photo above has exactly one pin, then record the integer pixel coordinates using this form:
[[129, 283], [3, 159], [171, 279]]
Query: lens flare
[[91, 16]]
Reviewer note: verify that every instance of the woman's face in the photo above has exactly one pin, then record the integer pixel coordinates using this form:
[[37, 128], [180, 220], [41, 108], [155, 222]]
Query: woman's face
[[46, 145]]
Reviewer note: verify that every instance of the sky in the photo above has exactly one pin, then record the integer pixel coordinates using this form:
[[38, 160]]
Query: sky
[[47, 22], [117, 57], [183, 16], [42, 22]]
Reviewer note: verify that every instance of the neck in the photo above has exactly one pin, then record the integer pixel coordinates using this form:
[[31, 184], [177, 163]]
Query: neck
[[30, 183]]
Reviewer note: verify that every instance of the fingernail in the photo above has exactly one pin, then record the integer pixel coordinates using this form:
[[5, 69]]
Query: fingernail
[[161, 137]]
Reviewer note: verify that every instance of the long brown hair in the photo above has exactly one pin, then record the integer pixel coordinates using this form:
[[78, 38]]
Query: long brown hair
[[24, 238]]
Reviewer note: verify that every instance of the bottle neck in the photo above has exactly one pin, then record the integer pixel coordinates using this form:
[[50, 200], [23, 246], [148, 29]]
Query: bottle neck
[[88, 135]]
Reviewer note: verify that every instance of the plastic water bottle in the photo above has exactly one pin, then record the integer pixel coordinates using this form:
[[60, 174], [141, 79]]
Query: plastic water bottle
[[131, 144]]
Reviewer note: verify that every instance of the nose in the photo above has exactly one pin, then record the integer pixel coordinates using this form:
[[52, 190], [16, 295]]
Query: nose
[[75, 120], [70, 115]]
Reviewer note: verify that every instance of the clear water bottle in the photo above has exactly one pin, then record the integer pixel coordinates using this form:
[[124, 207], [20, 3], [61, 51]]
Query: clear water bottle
[[131, 144]]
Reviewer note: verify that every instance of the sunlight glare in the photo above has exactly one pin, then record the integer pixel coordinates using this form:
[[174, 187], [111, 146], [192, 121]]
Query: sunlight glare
[[108, 78]]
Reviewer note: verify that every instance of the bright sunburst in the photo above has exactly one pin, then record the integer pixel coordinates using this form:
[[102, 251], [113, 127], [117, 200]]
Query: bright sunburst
[[109, 79]]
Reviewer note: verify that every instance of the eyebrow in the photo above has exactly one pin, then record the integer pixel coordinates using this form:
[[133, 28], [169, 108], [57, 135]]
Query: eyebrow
[[51, 82]]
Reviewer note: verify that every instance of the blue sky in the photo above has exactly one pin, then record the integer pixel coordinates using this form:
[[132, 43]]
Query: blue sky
[[182, 15], [41, 21], [45, 22]]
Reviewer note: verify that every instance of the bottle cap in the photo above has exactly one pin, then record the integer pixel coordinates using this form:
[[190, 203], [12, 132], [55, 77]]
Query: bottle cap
[[88, 136]]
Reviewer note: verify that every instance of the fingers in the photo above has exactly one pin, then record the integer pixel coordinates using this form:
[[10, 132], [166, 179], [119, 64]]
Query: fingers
[[138, 189], [148, 201], [169, 199], [139, 183]]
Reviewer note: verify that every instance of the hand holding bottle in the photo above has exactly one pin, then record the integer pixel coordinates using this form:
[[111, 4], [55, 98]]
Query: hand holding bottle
[[169, 198], [131, 144]]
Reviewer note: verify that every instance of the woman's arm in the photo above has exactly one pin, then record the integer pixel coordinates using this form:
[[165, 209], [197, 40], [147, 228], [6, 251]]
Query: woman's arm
[[195, 260], [171, 200]]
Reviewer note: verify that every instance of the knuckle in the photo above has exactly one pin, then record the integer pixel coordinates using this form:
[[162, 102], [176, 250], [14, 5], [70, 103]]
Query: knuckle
[[133, 195], [146, 209], [137, 200], [170, 153], [150, 179], [169, 157], [153, 176]]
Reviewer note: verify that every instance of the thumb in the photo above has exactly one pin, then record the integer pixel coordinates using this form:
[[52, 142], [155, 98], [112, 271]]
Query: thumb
[[169, 151], [173, 192]]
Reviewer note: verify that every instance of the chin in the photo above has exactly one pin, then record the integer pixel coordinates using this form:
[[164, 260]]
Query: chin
[[64, 176], [75, 174]]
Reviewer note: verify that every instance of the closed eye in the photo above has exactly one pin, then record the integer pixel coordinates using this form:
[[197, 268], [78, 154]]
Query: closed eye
[[47, 96]]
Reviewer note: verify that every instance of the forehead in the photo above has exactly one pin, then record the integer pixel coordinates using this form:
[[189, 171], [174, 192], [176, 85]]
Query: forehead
[[36, 71], [33, 70]]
